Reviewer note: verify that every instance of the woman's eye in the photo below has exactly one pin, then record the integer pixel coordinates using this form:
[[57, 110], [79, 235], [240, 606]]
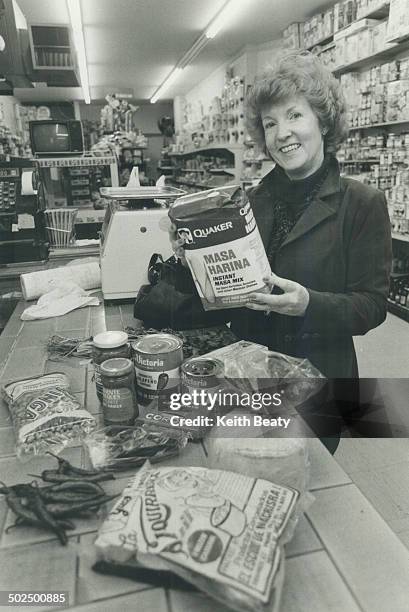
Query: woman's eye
[[269, 124], [295, 115]]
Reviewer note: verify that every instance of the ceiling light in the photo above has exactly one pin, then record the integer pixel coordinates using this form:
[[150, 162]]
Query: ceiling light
[[171, 78], [228, 11], [74, 10], [21, 21]]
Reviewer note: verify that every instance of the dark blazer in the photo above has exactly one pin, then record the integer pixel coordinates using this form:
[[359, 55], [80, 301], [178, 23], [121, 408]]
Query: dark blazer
[[340, 250]]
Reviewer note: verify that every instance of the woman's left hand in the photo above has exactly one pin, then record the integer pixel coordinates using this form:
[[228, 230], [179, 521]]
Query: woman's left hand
[[293, 301]]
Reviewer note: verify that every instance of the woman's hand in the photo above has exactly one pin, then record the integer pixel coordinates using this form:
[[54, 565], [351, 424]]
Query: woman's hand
[[293, 301], [177, 244]]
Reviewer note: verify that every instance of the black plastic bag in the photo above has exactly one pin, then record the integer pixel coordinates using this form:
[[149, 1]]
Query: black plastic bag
[[171, 300]]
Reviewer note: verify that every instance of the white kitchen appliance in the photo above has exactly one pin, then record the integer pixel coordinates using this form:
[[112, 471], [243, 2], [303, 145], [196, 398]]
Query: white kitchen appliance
[[130, 236]]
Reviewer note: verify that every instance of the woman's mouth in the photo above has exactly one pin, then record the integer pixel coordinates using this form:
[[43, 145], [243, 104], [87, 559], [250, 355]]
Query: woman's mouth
[[290, 148]]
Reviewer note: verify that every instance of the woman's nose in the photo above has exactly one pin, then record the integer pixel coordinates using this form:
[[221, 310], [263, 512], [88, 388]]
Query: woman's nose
[[283, 130]]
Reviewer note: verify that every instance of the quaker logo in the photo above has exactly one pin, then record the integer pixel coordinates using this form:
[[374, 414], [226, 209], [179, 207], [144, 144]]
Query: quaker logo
[[186, 234]]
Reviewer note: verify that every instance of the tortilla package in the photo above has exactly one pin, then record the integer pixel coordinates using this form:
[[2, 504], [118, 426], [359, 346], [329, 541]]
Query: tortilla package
[[221, 531], [223, 246], [45, 415]]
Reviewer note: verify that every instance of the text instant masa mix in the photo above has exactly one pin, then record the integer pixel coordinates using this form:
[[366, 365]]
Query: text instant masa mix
[[223, 246]]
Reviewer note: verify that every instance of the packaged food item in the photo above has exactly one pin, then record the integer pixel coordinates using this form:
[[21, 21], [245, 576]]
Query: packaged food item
[[252, 367], [118, 391], [45, 415], [223, 246], [157, 358], [219, 530], [282, 460], [122, 448], [108, 345]]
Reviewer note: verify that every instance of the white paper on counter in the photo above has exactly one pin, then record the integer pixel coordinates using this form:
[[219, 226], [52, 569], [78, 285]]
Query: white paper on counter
[[85, 275], [64, 298]]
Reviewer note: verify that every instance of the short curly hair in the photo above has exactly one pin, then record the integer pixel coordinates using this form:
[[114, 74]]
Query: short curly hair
[[299, 73]]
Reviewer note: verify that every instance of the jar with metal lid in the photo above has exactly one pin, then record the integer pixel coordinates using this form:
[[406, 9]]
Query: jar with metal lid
[[118, 392], [108, 345]]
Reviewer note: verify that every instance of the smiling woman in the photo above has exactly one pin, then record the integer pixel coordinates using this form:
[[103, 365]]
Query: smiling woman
[[327, 237]]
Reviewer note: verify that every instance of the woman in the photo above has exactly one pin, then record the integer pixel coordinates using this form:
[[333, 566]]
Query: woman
[[327, 237]]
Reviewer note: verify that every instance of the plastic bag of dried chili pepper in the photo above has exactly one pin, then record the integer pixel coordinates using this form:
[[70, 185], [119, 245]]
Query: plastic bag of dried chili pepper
[[120, 448], [45, 415]]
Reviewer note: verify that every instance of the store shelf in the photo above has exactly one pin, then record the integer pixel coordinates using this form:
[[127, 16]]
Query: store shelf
[[167, 168], [401, 237], [359, 161], [376, 125], [217, 147], [321, 41], [366, 61], [398, 310], [377, 13], [221, 170], [65, 162], [259, 160]]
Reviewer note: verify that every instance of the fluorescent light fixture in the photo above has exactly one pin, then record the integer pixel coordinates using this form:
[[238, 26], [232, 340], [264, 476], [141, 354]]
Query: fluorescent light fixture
[[223, 16], [228, 11], [170, 79], [21, 22], [74, 10]]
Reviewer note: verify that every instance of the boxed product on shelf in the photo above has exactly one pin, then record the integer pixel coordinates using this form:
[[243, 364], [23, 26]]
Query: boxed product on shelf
[[292, 36], [379, 37], [398, 23], [397, 101], [344, 14]]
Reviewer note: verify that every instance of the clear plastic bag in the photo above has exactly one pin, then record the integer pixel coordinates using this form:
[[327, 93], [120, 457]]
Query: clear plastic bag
[[45, 416], [121, 448], [252, 367]]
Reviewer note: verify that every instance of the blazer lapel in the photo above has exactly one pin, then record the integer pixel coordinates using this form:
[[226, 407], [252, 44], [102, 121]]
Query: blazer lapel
[[263, 206], [325, 204]]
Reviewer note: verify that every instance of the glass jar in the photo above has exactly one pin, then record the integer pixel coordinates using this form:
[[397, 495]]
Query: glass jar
[[118, 392], [108, 345]]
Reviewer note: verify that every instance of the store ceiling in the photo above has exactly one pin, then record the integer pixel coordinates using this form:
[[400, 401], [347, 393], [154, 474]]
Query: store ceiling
[[133, 44]]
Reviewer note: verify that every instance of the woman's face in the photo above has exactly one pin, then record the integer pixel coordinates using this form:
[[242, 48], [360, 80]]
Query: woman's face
[[293, 136]]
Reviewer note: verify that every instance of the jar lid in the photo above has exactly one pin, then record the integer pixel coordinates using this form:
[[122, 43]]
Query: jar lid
[[110, 339], [118, 366]]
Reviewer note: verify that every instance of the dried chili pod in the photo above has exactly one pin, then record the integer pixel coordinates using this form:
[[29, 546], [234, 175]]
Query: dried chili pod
[[55, 476], [66, 467], [80, 486], [48, 519], [66, 510]]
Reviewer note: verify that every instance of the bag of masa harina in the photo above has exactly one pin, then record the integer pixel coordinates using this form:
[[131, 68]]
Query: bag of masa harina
[[223, 246]]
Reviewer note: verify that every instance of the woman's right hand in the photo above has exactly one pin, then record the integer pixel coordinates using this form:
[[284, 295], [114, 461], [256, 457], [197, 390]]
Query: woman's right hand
[[177, 244]]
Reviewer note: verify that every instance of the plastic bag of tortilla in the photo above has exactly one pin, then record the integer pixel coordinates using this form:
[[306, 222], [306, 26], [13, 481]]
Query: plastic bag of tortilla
[[221, 531], [252, 367]]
